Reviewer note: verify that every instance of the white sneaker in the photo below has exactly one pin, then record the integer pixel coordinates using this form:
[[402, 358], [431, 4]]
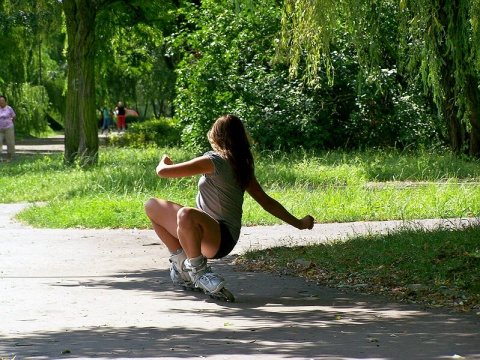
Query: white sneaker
[[203, 277], [178, 273]]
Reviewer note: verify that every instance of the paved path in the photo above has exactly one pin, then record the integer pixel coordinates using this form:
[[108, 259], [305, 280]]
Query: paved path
[[106, 294], [49, 145]]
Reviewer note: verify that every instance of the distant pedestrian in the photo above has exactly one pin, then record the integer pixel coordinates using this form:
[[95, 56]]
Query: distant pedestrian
[[7, 128], [100, 122], [120, 110], [107, 120]]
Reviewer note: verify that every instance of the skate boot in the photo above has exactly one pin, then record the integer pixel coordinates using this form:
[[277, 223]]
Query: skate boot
[[178, 273], [203, 277]]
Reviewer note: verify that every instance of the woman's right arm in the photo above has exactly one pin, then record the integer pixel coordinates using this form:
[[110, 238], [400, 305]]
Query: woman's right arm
[[200, 165]]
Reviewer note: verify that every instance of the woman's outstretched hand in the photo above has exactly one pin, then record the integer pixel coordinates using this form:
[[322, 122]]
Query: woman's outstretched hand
[[307, 222], [165, 161]]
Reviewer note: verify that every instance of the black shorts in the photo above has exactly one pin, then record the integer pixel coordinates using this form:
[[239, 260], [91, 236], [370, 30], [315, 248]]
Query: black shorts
[[226, 241]]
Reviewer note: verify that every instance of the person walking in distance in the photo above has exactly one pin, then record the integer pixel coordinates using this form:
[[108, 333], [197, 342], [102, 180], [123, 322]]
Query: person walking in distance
[[107, 120], [212, 228], [120, 110], [7, 128]]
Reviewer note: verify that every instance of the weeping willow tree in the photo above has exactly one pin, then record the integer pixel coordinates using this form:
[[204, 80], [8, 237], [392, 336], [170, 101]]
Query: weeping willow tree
[[437, 40], [30, 31]]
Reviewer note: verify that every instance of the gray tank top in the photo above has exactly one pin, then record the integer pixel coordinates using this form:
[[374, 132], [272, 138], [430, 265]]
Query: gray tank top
[[220, 196]]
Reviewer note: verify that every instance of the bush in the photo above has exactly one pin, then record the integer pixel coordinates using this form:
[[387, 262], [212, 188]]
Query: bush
[[159, 132], [399, 116], [236, 73]]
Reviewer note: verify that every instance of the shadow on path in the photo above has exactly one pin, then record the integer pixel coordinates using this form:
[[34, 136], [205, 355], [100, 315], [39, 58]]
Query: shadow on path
[[274, 317]]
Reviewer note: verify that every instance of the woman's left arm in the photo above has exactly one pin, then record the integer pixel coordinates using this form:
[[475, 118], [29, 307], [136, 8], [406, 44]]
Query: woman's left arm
[[200, 165], [276, 209]]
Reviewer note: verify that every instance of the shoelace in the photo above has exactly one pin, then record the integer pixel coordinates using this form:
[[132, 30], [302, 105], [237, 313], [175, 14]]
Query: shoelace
[[211, 276]]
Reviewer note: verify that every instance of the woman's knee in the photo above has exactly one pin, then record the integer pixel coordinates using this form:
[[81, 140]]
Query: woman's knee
[[160, 209], [185, 216], [151, 206]]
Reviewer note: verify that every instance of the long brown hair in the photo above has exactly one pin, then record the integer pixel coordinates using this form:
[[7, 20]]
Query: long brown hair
[[229, 138]]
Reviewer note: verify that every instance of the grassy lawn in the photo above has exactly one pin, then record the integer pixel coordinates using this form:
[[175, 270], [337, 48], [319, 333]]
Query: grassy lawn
[[434, 268], [437, 268]]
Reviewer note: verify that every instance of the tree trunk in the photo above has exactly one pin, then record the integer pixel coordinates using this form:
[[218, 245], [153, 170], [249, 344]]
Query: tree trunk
[[72, 122], [81, 131], [154, 107], [456, 129], [473, 96]]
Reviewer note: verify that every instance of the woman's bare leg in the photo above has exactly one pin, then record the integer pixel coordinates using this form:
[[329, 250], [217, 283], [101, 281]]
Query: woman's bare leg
[[177, 226], [198, 233], [163, 216], [191, 236]]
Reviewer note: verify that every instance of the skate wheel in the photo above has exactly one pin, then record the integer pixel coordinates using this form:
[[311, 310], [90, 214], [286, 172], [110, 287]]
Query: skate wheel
[[228, 295], [224, 295], [188, 288]]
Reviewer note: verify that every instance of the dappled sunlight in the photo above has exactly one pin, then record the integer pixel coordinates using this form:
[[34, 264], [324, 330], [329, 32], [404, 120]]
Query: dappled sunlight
[[108, 294], [356, 314], [142, 315]]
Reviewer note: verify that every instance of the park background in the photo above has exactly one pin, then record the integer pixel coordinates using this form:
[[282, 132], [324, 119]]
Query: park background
[[360, 110], [313, 74]]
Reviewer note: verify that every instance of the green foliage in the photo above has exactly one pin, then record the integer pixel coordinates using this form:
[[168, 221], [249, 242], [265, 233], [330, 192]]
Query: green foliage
[[131, 58], [32, 74], [312, 28], [395, 116], [237, 73], [31, 108], [432, 38], [161, 133], [198, 61]]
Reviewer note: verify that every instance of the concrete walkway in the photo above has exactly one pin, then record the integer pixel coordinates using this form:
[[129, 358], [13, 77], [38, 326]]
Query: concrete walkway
[[106, 294]]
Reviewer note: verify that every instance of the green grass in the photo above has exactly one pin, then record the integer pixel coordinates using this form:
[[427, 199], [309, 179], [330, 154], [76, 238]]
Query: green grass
[[436, 268], [332, 187]]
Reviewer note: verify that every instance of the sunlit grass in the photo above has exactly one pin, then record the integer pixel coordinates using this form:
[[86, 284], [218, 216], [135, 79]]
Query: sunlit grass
[[331, 186]]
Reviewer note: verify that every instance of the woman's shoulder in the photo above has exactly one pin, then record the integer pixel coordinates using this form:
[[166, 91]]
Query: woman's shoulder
[[7, 109], [218, 160], [212, 155]]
